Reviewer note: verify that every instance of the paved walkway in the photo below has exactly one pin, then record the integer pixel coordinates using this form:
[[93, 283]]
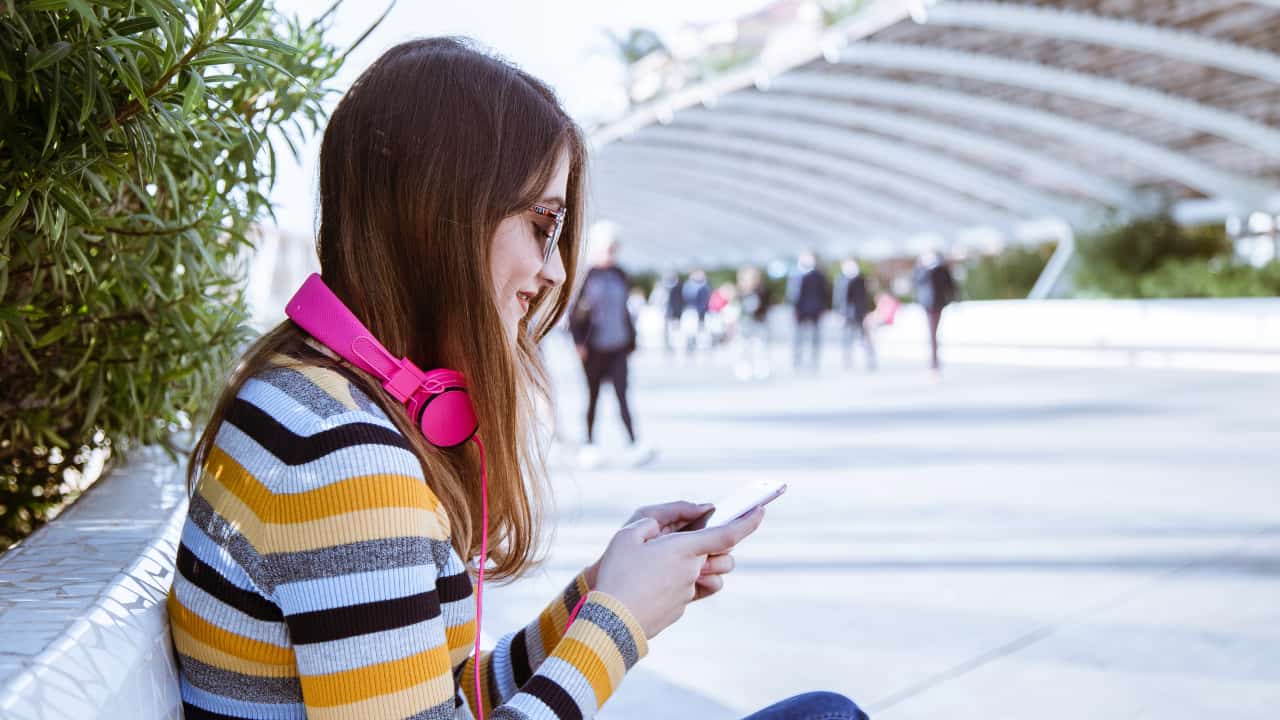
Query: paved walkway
[[1010, 543]]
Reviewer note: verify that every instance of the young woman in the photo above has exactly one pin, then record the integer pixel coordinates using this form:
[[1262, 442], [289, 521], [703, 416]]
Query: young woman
[[326, 563]]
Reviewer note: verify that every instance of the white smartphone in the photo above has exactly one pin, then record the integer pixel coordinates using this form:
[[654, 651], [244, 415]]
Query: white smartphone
[[739, 503]]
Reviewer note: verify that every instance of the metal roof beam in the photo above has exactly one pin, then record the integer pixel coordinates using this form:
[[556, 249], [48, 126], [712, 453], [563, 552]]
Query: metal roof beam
[[925, 165], [1157, 158], [990, 68], [1095, 29], [934, 134], [622, 159], [967, 210]]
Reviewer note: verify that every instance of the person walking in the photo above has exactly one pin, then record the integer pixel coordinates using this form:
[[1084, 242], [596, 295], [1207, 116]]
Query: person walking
[[673, 297], [808, 292], [935, 289], [852, 301], [333, 558], [605, 335], [696, 302], [754, 301]]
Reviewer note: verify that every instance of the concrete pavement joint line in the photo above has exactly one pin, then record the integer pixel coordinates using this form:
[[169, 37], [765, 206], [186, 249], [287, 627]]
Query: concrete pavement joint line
[[1044, 631]]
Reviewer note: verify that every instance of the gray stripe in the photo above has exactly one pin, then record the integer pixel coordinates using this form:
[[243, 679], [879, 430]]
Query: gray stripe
[[379, 554], [571, 596], [443, 711], [238, 686], [300, 388], [506, 712], [612, 624], [225, 534]]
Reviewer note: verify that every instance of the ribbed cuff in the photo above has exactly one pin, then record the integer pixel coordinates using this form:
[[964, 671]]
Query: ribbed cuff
[[629, 623]]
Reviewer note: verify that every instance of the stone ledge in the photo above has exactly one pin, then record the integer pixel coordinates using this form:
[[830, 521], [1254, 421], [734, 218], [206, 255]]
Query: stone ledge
[[82, 602]]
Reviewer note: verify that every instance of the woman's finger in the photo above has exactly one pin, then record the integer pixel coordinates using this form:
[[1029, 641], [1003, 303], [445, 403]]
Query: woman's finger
[[706, 586], [718, 564], [675, 513]]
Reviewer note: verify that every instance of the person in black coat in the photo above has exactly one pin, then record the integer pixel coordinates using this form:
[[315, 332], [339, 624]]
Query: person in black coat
[[674, 297], [935, 289], [853, 301], [808, 291], [605, 335]]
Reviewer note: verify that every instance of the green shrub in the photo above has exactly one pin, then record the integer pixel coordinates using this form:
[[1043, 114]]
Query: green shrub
[[134, 161], [1114, 261], [1007, 275], [1214, 278]]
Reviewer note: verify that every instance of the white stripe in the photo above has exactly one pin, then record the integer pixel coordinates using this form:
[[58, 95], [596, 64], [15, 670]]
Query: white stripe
[[332, 468], [504, 676], [221, 615], [370, 649], [356, 588], [568, 676], [295, 415]]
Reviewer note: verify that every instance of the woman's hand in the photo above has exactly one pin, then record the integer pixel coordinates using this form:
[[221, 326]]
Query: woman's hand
[[670, 518], [656, 575]]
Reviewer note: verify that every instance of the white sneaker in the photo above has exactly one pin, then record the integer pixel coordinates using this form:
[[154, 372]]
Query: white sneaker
[[589, 457], [639, 454]]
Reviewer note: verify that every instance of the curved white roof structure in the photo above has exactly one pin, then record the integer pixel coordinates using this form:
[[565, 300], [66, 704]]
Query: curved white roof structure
[[954, 119]]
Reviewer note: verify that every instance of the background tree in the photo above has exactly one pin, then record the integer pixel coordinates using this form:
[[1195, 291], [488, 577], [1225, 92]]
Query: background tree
[[135, 156]]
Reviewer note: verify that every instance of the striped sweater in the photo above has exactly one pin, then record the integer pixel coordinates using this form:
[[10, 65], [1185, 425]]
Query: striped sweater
[[316, 579]]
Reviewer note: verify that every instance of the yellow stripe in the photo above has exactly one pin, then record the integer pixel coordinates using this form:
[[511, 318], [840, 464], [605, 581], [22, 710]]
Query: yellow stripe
[[404, 703], [355, 685], [197, 628], [590, 635], [549, 633], [192, 647], [294, 537], [589, 664], [362, 492], [460, 639], [468, 688]]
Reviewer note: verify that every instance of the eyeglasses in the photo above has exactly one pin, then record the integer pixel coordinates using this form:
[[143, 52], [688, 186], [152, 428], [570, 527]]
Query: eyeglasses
[[553, 235]]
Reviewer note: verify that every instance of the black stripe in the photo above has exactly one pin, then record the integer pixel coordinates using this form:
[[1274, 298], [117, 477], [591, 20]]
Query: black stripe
[[211, 581], [554, 696], [520, 670], [192, 712], [453, 588], [293, 449], [352, 620]]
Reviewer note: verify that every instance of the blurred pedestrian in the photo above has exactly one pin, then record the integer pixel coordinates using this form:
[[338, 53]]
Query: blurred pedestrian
[[808, 291], [935, 289], [696, 298], [673, 299], [605, 335], [753, 329], [852, 301]]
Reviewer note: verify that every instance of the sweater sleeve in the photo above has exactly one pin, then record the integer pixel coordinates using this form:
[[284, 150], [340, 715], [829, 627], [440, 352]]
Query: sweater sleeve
[[583, 669]]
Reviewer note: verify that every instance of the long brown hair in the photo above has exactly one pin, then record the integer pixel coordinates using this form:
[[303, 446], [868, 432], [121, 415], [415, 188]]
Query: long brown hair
[[431, 148]]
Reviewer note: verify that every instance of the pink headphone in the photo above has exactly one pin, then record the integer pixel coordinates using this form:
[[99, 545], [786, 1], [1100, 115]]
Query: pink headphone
[[436, 400]]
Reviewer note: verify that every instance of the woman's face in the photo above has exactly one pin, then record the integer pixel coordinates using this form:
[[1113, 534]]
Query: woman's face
[[516, 258]]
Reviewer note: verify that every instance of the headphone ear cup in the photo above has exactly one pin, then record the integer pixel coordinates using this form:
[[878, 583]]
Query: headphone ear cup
[[448, 419]]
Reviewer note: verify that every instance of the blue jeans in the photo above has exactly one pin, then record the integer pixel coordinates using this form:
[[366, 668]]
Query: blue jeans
[[811, 706]]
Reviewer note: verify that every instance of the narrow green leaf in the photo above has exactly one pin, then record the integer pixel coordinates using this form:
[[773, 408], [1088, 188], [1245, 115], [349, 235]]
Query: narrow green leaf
[[57, 332], [264, 44], [193, 92], [133, 25], [50, 55], [73, 204]]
